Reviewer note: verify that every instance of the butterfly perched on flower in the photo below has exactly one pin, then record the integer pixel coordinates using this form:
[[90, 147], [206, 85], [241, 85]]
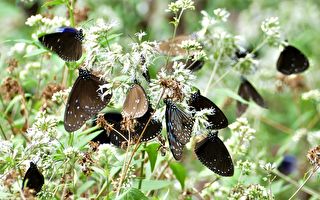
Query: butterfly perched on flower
[[292, 61], [33, 179], [136, 102], [116, 135], [217, 120], [212, 153], [66, 42], [179, 128], [85, 100]]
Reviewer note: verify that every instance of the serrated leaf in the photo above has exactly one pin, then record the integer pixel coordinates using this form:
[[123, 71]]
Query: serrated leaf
[[152, 150], [132, 194], [179, 171], [53, 3]]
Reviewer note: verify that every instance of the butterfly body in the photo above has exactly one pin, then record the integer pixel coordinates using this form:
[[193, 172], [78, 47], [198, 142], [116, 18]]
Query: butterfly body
[[292, 61], [33, 178], [84, 100], [213, 154], [217, 120], [66, 42]]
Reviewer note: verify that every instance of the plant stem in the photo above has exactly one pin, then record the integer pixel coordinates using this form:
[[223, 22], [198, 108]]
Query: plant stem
[[213, 73], [71, 14], [3, 134], [301, 186], [293, 182], [137, 146], [142, 166]]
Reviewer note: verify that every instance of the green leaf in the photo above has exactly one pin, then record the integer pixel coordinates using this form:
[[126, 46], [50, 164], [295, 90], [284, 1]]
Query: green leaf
[[35, 53], [113, 36], [179, 171], [84, 187], [132, 194], [152, 150], [53, 3], [148, 185], [84, 140]]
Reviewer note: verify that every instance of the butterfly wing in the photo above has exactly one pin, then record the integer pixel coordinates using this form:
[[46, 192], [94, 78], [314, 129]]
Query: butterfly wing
[[84, 101], [194, 65], [136, 102], [179, 124], [176, 147], [218, 120], [243, 93], [66, 43], [113, 136], [33, 178], [213, 154], [292, 61], [153, 129], [256, 97]]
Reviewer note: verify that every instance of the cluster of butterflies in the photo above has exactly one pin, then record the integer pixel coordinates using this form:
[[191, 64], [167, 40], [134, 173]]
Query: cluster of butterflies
[[85, 102]]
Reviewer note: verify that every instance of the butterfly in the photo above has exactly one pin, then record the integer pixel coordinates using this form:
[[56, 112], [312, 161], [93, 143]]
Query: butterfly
[[33, 179], [136, 102], [292, 61], [288, 164], [66, 42], [213, 154], [152, 130], [179, 128], [247, 91], [84, 100], [217, 120], [172, 47]]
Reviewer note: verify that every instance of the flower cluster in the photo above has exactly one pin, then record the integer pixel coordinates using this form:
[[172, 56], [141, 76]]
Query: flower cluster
[[174, 7], [271, 28], [314, 156], [253, 191], [176, 85], [46, 25], [312, 95], [242, 134], [246, 167]]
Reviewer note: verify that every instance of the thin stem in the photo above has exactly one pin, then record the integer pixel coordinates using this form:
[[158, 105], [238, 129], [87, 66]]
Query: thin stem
[[137, 146], [213, 72], [142, 166], [293, 182], [71, 14], [301, 186], [3, 134]]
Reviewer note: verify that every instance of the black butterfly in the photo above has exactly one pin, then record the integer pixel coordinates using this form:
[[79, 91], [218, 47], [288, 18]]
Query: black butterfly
[[113, 137], [136, 103], [217, 120], [213, 154], [179, 128], [66, 42], [288, 164], [84, 100], [247, 91], [194, 65], [33, 179], [153, 129], [292, 61]]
